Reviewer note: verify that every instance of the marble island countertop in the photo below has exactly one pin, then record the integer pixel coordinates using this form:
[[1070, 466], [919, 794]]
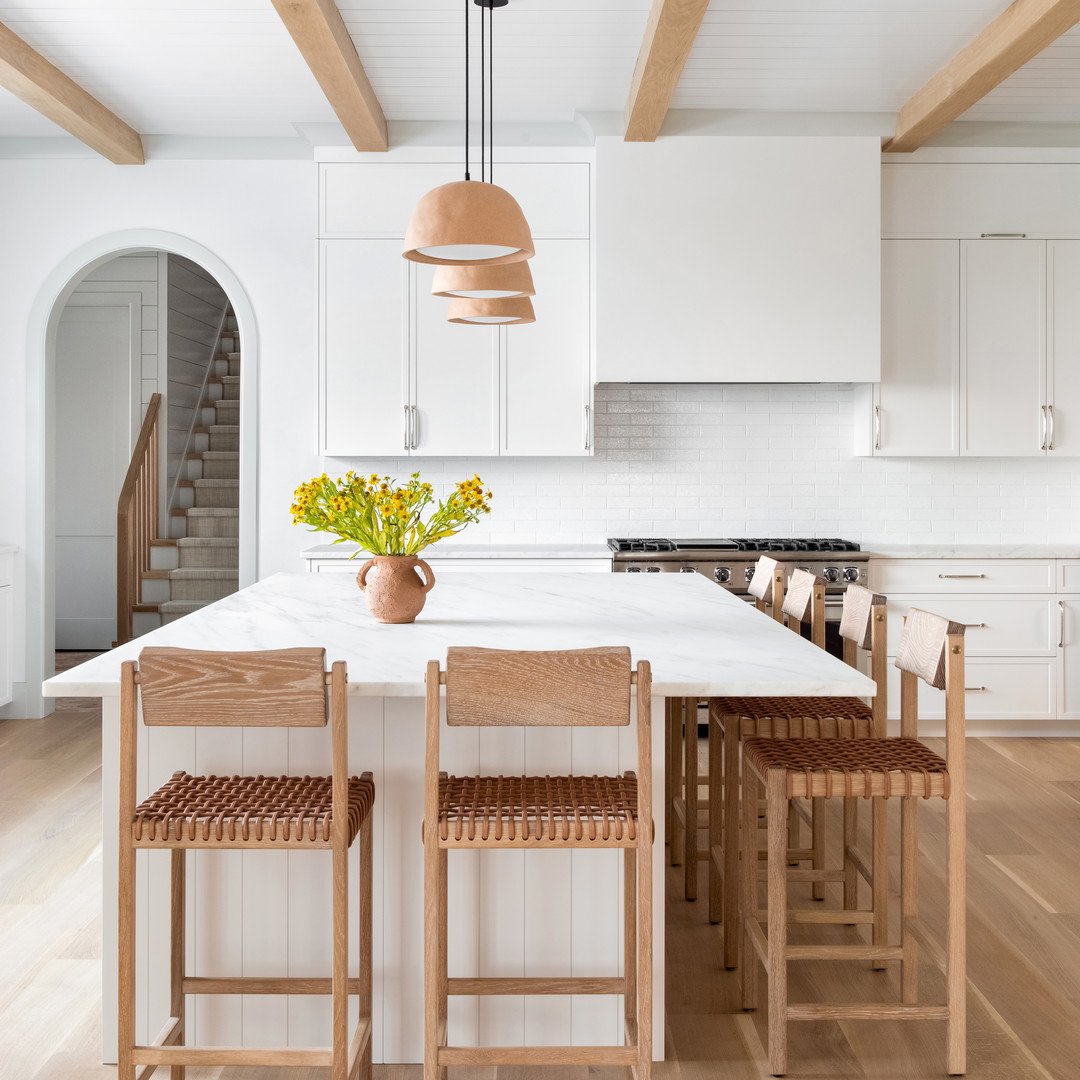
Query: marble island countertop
[[477, 551], [700, 639]]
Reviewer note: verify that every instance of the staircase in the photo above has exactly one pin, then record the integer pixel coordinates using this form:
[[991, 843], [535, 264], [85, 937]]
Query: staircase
[[200, 562]]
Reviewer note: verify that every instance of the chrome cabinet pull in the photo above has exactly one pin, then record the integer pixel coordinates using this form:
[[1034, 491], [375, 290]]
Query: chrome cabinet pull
[[1050, 440], [975, 689], [406, 426], [943, 576], [877, 427], [588, 426], [1043, 410], [1061, 624], [415, 425]]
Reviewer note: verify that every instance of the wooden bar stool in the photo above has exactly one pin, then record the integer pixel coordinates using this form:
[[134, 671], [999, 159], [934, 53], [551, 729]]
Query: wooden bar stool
[[932, 649], [862, 627], [278, 688], [683, 773], [572, 688]]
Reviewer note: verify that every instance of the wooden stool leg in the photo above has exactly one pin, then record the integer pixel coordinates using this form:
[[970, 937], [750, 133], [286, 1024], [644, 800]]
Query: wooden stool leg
[[177, 950], [443, 1011], [644, 961], [909, 899], [669, 774], [630, 933], [675, 737], [126, 953], [339, 1062], [851, 839], [776, 796], [716, 816], [731, 830], [880, 866], [817, 829], [794, 827], [366, 939], [749, 882], [956, 935], [690, 793], [433, 903]]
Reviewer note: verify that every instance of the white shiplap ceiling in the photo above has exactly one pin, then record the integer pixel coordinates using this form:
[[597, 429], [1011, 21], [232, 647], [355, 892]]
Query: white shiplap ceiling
[[229, 68]]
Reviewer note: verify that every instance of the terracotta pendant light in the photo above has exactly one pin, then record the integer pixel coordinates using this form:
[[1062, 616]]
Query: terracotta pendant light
[[506, 312], [483, 282], [465, 222]]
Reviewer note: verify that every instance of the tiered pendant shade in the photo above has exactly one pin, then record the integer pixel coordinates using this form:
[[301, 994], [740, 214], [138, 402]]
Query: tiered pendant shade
[[468, 222], [483, 282], [515, 309]]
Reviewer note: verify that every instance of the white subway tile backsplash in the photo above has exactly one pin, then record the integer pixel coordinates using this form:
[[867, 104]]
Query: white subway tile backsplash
[[746, 460]]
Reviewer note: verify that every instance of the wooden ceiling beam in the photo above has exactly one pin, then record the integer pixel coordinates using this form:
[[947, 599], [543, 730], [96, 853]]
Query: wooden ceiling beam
[[669, 36], [323, 40], [29, 76], [1017, 35]]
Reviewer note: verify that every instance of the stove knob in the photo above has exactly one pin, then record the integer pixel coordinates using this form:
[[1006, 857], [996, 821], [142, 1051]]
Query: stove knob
[[687, 570], [831, 573], [722, 574], [851, 573], [633, 569], [804, 568], [652, 569], [749, 572]]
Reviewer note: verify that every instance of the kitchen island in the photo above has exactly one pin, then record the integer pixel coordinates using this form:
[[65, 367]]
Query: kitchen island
[[511, 912]]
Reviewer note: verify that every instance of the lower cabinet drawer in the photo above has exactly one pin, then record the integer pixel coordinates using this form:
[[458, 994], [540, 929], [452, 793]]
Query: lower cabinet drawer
[[1000, 689], [996, 626], [970, 576]]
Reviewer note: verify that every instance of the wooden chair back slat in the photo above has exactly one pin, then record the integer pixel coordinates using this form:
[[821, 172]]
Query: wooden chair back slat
[[562, 688], [195, 688], [923, 646], [800, 594], [767, 585], [856, 622]]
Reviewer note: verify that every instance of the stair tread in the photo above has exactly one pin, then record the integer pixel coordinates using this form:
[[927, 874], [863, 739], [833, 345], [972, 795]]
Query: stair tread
[[206, 511], [211, 483], [147, 607], [155, 575], [208, 541]]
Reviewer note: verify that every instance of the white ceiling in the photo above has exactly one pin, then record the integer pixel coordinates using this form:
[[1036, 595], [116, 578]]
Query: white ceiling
[[228, 67]]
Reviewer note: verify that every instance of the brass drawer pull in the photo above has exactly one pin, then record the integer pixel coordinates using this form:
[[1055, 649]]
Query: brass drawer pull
[[974, 689], [975, 625]]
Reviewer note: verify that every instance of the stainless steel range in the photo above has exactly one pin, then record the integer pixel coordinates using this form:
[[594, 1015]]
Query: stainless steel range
[[730, 562]]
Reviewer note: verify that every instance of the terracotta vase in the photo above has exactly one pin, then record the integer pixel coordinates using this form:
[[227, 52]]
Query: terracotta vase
[[395, 592]]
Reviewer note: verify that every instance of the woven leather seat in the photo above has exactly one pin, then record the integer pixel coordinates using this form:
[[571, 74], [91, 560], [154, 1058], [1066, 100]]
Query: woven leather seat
[[893, 768], [554, 808], [798, 718], [260, 809]]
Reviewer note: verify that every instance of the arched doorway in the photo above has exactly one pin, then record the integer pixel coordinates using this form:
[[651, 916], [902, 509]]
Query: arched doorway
[[44, 337]]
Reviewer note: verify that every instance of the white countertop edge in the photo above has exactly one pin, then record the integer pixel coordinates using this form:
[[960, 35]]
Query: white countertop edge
[[972, 551]]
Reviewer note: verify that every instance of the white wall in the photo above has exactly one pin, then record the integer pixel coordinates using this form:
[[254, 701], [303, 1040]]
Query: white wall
[[743, 460], [256, 217]]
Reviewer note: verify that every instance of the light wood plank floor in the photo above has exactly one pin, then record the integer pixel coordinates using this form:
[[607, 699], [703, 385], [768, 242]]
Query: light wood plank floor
[[1024, 956]]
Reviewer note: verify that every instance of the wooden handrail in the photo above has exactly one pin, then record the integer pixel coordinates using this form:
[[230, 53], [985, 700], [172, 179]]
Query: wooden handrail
[[137, 514]]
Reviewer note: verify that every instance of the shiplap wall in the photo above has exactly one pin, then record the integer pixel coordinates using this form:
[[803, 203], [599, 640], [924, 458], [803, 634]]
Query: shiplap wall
[[742, 460]]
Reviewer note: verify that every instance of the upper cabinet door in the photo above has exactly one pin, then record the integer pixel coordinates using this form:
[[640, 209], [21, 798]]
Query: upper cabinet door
[[363, 347], [1063, 347], [546, 377], [1002, 347], [916, 407], [455, 378]]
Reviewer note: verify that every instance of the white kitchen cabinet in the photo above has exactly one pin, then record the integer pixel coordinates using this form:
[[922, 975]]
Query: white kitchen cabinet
[[738, 259], [1002, 347], [915, 406], [1067, 633], [546, 378], [397, 379], [1063, 348], [7, 641]]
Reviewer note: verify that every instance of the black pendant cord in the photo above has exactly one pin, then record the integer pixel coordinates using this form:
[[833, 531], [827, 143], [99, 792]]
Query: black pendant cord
[[483, 97], [491, 96], [467, 176]]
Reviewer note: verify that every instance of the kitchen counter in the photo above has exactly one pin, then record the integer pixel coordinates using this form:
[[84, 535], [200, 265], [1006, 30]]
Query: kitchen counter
[[550, 913], [1063, 550], [477, 551]]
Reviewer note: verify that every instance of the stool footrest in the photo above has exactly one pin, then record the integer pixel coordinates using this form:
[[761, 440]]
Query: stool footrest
[[829, 915], [246, 985], [536, 985], [865, 1011], [537, 1055], [844, 952], [230, 1055]]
